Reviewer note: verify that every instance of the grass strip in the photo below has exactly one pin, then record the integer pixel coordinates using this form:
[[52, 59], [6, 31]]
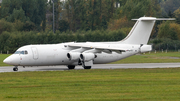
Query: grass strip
[[170, 57], [92, 85], [2, 57]]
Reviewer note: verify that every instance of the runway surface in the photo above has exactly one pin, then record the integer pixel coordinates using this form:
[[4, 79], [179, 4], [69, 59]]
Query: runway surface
[[99, 66]]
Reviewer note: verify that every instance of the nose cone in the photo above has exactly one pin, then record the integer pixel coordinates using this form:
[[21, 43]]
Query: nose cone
[[12, 60], [7, 60]]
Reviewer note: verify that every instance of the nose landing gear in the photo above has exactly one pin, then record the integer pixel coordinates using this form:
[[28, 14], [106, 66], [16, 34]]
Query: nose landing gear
[[15, 68]]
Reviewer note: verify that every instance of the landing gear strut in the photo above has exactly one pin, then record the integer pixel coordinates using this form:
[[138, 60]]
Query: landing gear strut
[[15, 68]]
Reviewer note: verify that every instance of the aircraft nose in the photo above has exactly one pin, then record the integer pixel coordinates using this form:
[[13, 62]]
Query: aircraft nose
[[12, 60], [7, 60]]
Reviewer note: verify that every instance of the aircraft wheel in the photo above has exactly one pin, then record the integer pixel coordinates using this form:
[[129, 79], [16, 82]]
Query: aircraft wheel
[[15, 69], [87, 67], [71, 66]]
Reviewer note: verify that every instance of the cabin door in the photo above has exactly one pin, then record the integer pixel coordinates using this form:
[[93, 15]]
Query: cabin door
[[35, 53]]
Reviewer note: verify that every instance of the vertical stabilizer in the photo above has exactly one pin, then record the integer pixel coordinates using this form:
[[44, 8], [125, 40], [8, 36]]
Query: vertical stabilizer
[[141, 31]]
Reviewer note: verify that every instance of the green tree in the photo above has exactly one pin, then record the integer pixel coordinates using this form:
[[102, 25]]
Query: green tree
[[17, 15], [139, 8], [63, 25], [34, 10], [177, 15], [169, 6], [166, 31], [8, 6], [28, 26], [89, 14], [57, 12], [6, 26]]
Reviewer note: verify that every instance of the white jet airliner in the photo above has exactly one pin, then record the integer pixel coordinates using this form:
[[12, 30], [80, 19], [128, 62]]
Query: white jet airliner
[[87, 53]]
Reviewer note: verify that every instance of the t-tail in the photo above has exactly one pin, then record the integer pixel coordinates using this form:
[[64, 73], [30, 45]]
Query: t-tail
[[141, 31]]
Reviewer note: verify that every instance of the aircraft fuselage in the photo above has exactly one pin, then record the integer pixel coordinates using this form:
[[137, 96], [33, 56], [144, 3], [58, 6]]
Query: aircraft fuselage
[[56, 54]]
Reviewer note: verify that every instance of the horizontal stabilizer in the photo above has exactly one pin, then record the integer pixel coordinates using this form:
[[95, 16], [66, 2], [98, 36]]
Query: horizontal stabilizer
[[165, 19], [152, 18]]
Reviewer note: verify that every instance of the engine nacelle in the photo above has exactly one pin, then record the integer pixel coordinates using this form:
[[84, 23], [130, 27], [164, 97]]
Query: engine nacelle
[[87, 56], [73, 55]]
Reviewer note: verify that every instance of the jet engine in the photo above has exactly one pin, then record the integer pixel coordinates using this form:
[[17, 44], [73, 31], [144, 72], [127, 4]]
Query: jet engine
[[87, 56], [73, 55]]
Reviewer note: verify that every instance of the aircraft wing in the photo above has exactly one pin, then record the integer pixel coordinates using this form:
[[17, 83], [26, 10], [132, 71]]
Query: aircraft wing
[[101, 47]]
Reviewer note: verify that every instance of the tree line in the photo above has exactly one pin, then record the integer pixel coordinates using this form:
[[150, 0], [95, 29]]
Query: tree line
[[31, 13], [22, 20], [10, 41], [85, 15], [74, 15]]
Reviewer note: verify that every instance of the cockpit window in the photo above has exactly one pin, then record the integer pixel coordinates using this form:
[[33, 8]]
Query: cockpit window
[[25, 52], [17, 52], [21, 52]]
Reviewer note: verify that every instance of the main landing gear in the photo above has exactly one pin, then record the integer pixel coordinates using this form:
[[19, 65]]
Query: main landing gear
[[71, 66], [15, 68], [85, 67]]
